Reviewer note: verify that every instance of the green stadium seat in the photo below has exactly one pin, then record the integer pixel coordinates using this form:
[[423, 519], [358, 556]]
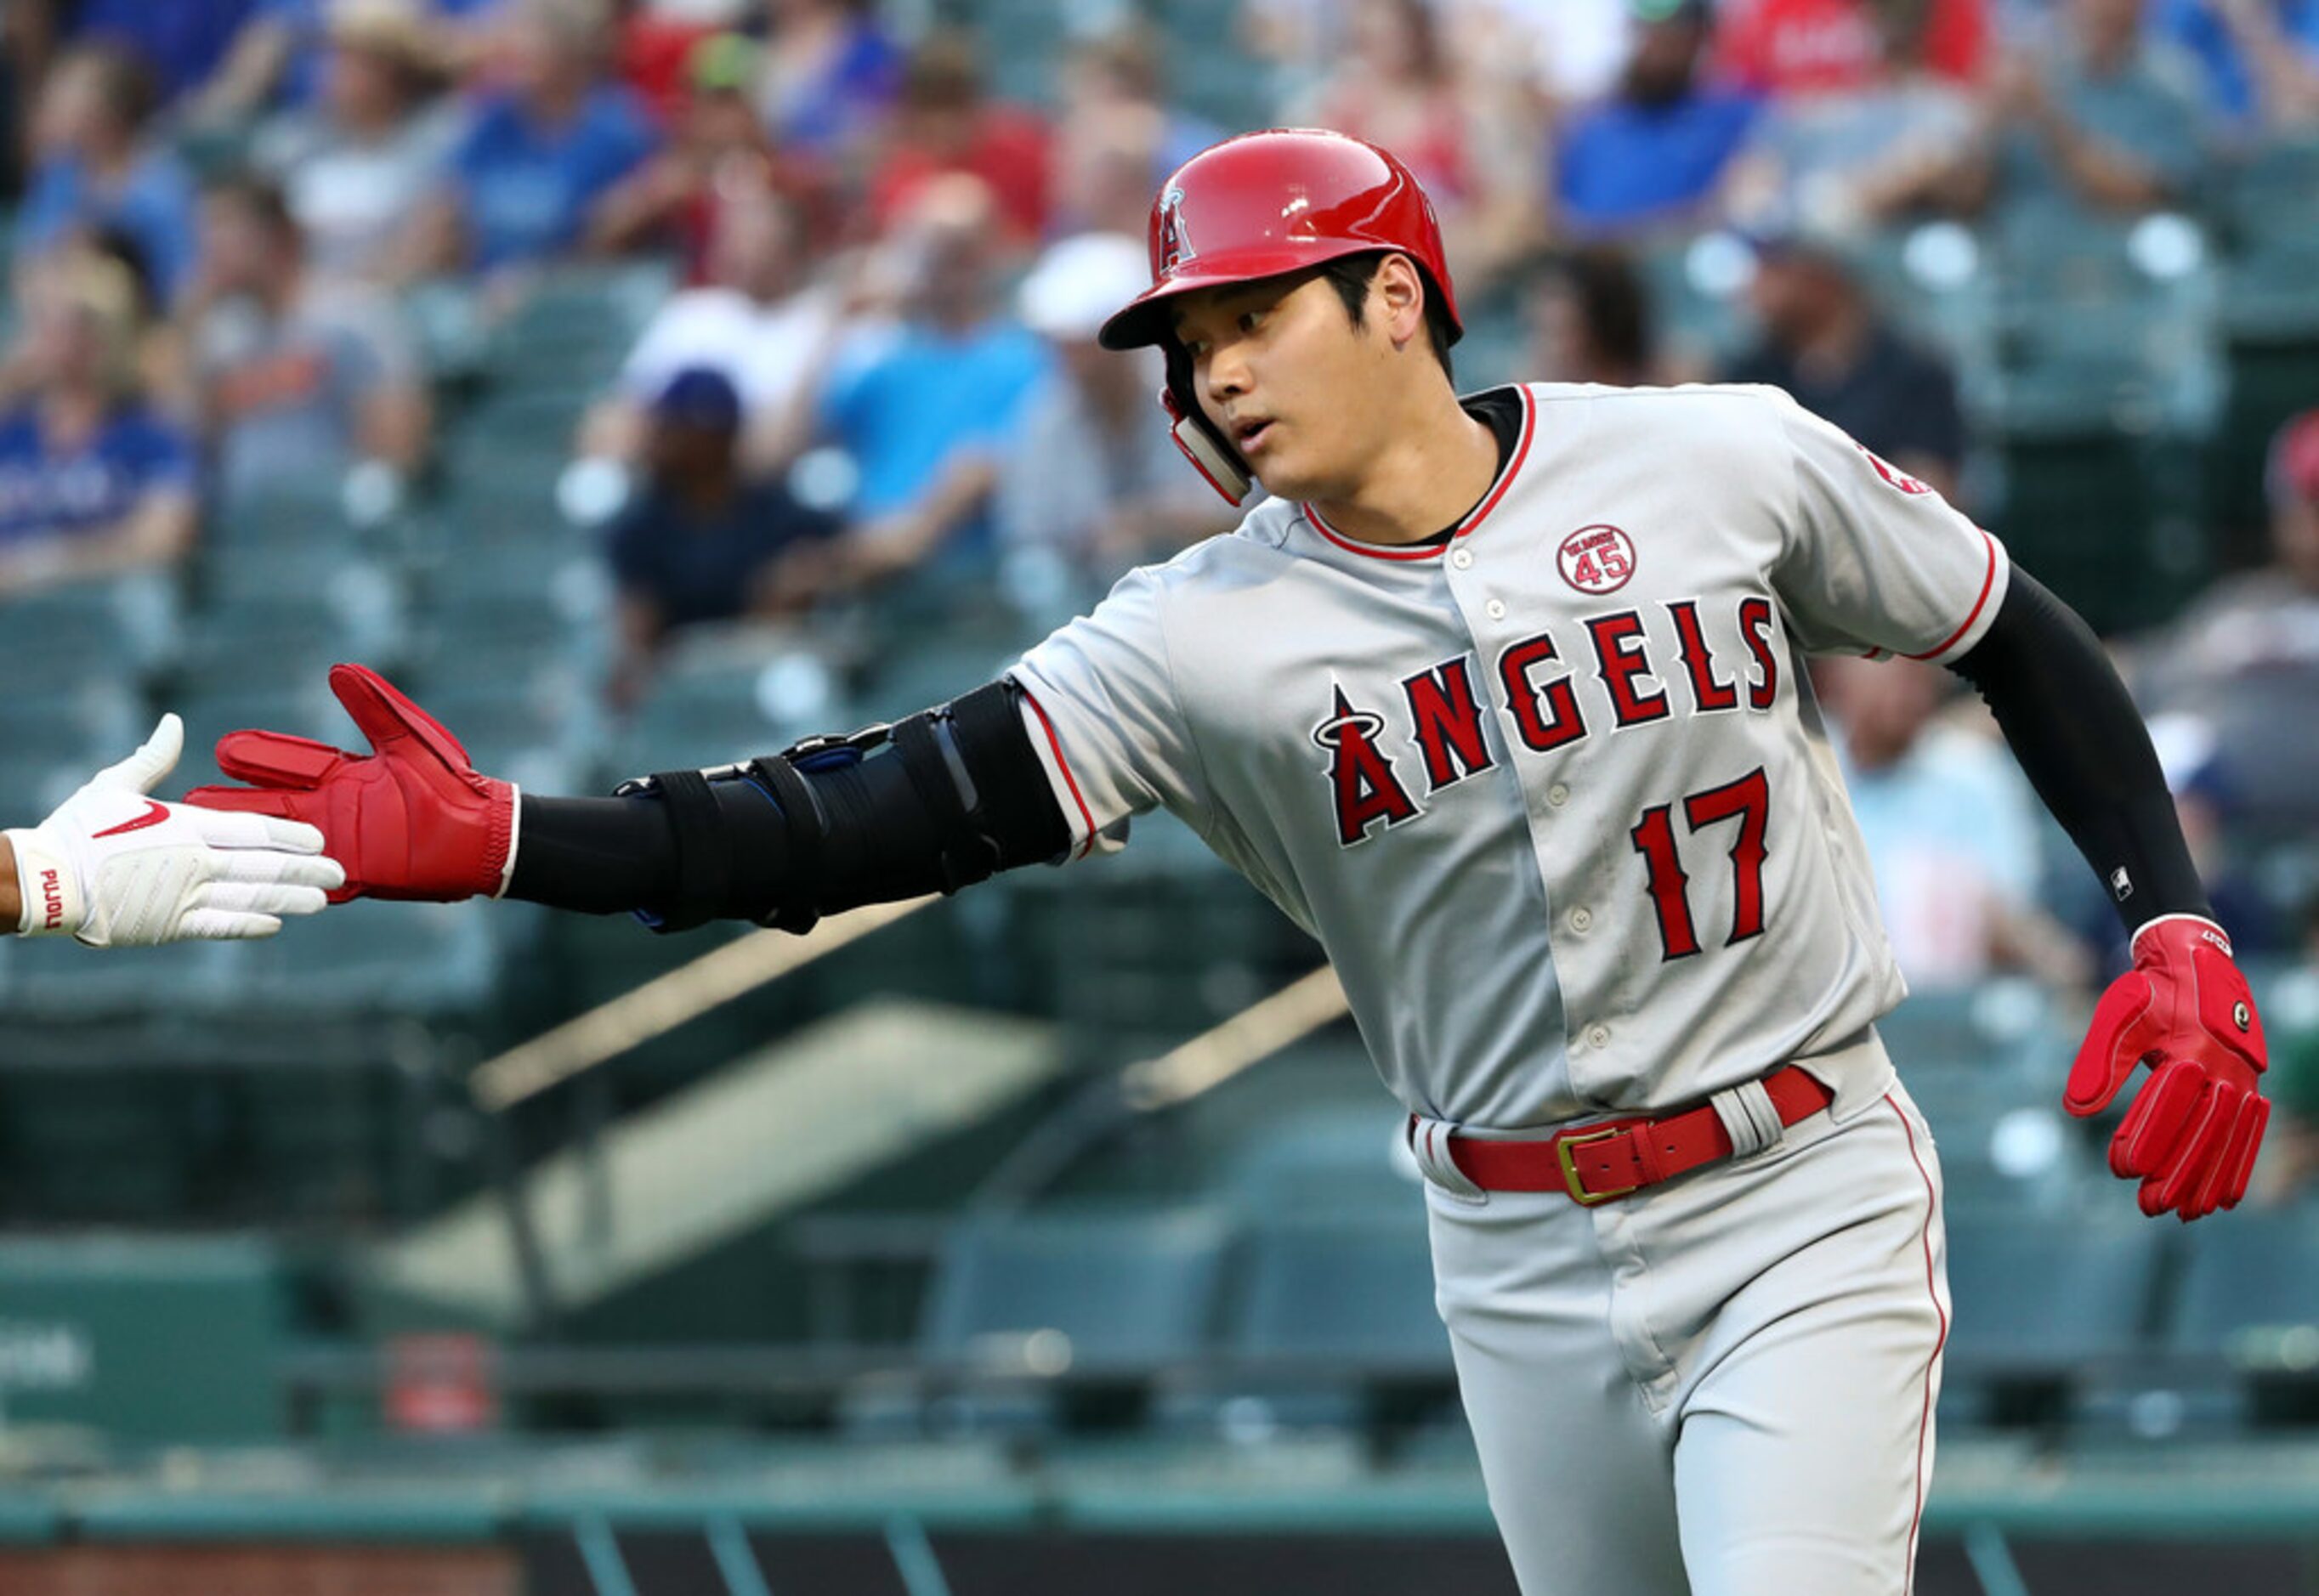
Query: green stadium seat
[[257, 635], [2038, 1296], [574, 326], [2247, 1278], [2268, 197], [288, 511], [2050, 1315], [1354, 1287], [56, 979], [30, 787], [122, 628], [1321, 1161], [89, 723], [1127, 1292], [737, 698], [429, 961]]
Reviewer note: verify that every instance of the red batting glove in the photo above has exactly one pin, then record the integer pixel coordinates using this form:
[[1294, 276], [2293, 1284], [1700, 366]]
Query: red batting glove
[[411, 819], [2184, 1009]]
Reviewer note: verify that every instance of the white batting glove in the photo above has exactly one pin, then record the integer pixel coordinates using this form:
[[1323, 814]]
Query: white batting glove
[[117, 868]]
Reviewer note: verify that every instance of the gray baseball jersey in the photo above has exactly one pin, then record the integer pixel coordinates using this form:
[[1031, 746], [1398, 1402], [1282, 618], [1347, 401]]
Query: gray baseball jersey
[[1554, 795]]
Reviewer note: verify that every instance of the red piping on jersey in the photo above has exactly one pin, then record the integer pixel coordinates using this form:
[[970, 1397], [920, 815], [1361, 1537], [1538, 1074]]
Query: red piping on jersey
[[1064, 765], [1925, 1416], [1474, 517], [1987, 581]]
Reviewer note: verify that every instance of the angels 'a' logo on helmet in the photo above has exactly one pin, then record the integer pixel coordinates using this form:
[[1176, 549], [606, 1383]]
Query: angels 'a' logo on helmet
[[1175, 242]]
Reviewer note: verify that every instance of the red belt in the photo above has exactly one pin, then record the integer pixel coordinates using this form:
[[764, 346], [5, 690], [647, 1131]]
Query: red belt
[[1609, 1159]]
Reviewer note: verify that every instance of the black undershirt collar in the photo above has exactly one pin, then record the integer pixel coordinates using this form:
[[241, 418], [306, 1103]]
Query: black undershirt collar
[[1501, 411]]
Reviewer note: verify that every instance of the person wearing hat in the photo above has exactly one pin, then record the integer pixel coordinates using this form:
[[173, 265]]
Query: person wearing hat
[[1085, 474], [365, 155], [702, 540]]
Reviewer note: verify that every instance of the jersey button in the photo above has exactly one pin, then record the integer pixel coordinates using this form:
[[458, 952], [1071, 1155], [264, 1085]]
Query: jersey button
[[1599, 1037], [1462, 558], [1581, 920], [1557, 795], [1497, 608]]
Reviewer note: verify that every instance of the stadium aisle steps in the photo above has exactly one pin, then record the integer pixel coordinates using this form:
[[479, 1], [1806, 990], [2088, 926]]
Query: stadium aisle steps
[[763, 1137]]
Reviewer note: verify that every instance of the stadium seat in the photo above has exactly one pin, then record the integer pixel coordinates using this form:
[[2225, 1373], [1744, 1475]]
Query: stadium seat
[[2269, 196], [2247, 1277], [286, 512], [2036, 1296], [123, 627], [574, 326], [735, 698], [89, 723], [2051, 1316], [1127, 1291], [55, 979], [424, 960], [1321, 1160], [1354, 1286]]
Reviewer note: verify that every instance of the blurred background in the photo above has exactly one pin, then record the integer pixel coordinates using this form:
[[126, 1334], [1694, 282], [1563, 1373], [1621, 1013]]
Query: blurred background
[[652, 384]]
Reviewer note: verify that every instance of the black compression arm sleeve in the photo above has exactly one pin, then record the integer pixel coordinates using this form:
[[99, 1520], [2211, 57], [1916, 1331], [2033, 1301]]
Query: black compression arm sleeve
[[2082, 743], [877, 841]]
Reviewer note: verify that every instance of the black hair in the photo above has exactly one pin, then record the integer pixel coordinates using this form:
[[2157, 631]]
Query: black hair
[[1351, 274], [1614, 305], [121, 247]]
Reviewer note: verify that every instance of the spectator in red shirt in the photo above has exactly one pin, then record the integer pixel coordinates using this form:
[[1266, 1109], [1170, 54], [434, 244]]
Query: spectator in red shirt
[[1791, 48], [717, 151], [945, 123]]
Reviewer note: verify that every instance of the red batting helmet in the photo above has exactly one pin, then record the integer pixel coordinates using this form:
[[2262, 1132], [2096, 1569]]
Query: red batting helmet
[[1263, 204]]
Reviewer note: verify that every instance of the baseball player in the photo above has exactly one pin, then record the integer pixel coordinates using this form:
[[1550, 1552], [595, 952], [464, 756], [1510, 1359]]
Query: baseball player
[[115, 868], [1503, 698]]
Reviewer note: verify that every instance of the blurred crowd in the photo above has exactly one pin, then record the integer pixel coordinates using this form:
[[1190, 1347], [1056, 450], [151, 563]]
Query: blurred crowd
[[241, 227]]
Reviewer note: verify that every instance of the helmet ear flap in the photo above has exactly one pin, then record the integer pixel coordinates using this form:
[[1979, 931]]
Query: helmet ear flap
[[1210, 455]]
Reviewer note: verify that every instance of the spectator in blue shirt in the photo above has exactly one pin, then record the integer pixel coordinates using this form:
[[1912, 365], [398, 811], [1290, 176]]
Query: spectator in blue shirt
[[92, 480], [541, 154], [701, 542], [832, 72], [926, 415], [182, 43], [95, 167], [2259, 59], [1654, 152]]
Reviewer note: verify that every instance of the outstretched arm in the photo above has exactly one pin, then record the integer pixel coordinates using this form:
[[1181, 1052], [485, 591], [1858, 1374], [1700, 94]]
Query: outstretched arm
[[939, 801], [2184, 1009]]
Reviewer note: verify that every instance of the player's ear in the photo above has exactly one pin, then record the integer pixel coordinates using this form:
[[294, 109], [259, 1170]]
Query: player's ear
[[1397, 300]]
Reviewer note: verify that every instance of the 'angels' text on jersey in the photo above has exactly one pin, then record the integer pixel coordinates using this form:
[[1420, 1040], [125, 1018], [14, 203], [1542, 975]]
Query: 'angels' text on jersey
[[1442, 720]]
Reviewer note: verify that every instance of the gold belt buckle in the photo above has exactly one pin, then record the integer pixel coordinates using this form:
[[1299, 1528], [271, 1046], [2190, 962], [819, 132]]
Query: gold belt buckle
[[1573, 1182]]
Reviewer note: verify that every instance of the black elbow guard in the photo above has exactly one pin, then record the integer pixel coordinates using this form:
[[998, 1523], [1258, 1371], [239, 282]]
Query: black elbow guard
[[943, 800]]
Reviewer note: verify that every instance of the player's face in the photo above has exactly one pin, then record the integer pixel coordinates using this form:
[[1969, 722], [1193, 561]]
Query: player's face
[[1276, 364]]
